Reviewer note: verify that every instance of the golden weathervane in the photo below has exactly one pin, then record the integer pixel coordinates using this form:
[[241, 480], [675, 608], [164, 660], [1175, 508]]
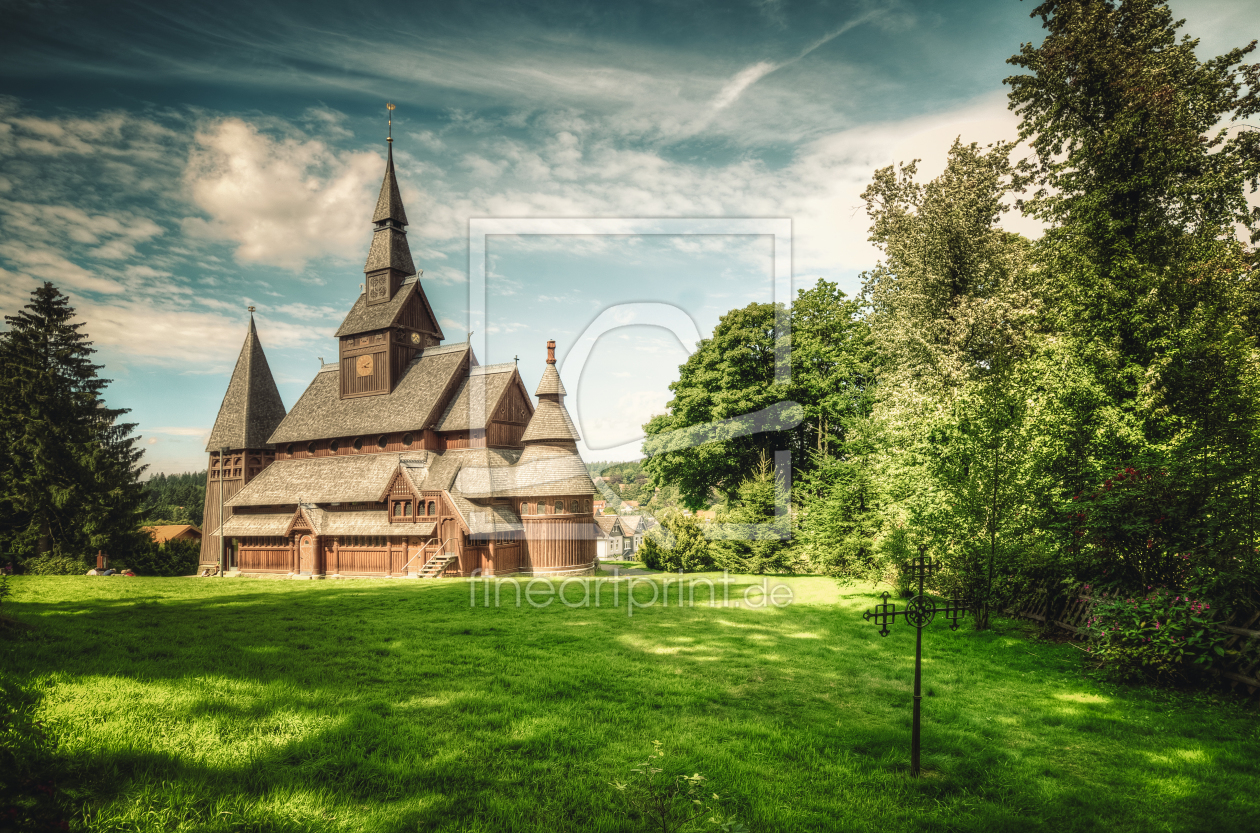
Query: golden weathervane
[[390, 107]]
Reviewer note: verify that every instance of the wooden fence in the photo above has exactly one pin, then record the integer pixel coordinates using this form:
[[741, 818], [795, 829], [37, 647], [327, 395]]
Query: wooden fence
[[1069, 611]]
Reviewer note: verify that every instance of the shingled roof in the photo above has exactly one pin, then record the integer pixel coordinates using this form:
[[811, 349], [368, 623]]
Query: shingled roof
[[550, 422], [443, 471], [486, 520], [360, 477], [251, 408], [389, 250], [389, 204], [539, 471], [239, 526], [487, 383], [364, 317], [322, 413], [550, 384]]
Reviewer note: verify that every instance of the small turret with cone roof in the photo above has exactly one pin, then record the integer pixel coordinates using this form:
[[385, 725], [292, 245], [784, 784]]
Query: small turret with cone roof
[[551, 423]]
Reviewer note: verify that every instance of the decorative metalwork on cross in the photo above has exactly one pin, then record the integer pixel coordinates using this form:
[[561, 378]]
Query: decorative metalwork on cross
[[920, 611]]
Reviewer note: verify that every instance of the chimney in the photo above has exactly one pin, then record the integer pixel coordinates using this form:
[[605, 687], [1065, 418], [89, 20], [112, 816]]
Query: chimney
[[551, 351]]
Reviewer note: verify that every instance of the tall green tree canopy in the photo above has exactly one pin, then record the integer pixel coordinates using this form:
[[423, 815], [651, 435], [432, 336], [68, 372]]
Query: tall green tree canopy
[[708, 441], [1142, 176], [68, 469]]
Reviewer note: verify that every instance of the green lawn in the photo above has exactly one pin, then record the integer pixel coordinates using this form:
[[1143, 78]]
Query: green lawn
[[240, 704]]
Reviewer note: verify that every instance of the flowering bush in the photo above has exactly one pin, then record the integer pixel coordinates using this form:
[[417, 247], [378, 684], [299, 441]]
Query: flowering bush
[[1163, 635]]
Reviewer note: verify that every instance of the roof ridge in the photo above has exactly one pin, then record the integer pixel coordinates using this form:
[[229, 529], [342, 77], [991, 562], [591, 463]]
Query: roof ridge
[[484, 369]]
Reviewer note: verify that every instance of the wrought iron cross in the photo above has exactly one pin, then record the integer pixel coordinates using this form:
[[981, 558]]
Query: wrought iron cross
[[919, 612]]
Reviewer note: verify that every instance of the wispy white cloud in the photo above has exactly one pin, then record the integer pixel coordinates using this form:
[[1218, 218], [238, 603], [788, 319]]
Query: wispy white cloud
[[281, 201]]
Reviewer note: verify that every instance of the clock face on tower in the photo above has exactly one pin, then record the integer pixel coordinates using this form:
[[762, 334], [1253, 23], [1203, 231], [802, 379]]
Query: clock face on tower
[[364, 365]]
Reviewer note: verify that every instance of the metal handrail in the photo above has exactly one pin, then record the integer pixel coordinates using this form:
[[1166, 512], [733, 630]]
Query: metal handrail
[[441, 548]]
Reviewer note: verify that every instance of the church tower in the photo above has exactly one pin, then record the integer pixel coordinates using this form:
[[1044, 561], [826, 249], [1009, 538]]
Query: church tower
[[250, 412], [392, 321], [559, 532]]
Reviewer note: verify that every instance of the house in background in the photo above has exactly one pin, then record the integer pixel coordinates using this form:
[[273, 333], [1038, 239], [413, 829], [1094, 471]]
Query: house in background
[[620, 536], [633, 528], [173, 532], [611, 541]]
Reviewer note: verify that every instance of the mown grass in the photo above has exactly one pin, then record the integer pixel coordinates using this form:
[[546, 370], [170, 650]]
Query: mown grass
[[238, 704]]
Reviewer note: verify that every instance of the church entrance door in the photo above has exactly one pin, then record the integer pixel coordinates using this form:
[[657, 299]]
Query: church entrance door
[[414, 559], [307, 564]]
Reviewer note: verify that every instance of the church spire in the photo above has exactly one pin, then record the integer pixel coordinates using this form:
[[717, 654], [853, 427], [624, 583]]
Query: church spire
[[389, 205], [251, 408], [389, 259]]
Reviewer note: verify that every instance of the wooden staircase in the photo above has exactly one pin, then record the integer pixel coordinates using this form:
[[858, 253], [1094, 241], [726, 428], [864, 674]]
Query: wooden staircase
[[437, 565]]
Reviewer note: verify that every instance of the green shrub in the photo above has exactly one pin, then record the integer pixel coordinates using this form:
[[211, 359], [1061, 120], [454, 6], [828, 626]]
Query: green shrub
[[51, 564], [174, 558], [678, 543], [1161, 636]]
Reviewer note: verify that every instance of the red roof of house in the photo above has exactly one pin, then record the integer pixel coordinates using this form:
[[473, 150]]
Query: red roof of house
[[166, 532]]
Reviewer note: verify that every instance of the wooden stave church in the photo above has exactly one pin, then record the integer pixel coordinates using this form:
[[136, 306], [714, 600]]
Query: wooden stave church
[[404, 458]]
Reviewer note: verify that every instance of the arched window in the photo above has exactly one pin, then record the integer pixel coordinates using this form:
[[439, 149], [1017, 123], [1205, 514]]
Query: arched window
[[573, 507], [382, 441], [334, 445], [407, 509], [586, 507], [310, 448], [288, 449], [432, 508], [407, 440], [358, 444], [559, 507]]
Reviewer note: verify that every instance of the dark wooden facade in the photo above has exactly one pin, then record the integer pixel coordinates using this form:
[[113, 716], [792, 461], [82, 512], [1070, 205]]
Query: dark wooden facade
[[410, 530], [240, 467]]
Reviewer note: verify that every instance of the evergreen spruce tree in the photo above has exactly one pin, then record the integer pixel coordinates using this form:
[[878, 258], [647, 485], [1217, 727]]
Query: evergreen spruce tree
[[68, 469], [751, 537]]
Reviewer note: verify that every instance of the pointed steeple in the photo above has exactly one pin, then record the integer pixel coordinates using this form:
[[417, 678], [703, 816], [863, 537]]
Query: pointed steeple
[[551, 423], [251, 408], [389, 259], [389, 204]]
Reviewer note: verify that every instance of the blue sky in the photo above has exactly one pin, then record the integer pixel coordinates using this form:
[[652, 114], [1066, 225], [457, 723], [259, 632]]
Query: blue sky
[[169, 164]]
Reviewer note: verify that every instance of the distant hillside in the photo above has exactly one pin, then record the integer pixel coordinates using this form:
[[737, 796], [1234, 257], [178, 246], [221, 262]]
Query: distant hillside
[[628, 481]]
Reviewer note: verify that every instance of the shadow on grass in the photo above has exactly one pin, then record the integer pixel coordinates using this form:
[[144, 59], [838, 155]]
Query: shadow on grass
[[397, 707]]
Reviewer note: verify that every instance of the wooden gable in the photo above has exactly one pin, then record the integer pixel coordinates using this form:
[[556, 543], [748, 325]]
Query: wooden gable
[[299, 523], [399, 487], [416, 314], [514, 406]]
